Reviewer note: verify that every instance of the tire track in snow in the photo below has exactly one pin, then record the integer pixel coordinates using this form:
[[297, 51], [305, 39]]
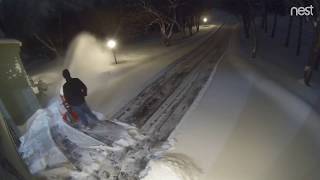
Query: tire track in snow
[[141, 108], [182, 104], [158, 109]]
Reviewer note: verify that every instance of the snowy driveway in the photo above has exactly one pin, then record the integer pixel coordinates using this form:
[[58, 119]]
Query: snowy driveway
[[158, 109]]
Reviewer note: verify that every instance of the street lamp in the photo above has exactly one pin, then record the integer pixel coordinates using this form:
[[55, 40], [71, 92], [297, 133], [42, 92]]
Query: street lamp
[[205, 20], [112, 45]]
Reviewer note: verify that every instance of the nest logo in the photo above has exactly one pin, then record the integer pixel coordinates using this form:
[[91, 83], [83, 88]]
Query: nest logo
[[302, 11]]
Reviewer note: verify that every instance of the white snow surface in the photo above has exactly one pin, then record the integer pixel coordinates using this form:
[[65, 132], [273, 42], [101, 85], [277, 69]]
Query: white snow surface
[[110, 85], [96, 159], [37, 146], [256, 120]]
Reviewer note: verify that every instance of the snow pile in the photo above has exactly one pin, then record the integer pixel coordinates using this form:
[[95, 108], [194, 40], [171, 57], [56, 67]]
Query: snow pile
[[50, 144], [173, 167], [37, 146]]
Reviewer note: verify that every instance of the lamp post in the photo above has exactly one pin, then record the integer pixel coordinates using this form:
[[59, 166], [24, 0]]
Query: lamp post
[[112, 45]]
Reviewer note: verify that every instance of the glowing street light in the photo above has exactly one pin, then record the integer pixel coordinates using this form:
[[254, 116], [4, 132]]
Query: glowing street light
[[111, 44], [205, 19]]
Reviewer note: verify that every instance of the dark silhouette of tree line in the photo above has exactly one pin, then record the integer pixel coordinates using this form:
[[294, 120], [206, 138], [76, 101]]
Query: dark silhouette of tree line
[[171, 16], [268, 11], [47, 27]]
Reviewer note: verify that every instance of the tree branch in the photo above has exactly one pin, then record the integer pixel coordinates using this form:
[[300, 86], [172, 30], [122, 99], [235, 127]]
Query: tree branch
[[48, 45]]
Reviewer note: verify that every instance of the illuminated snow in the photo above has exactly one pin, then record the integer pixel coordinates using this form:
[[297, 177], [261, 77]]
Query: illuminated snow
[[172, 167]]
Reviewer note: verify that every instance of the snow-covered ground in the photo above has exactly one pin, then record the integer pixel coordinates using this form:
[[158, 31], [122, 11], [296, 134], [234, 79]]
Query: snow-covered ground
[[111, 86], [115, 150], [255, 121], [55, 150]]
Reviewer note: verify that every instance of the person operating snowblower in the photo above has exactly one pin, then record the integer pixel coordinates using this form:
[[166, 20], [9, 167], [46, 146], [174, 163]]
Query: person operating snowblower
[[74, 93]]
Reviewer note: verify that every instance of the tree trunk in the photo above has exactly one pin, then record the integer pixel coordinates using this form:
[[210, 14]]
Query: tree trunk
[[184, 26], [246, 25], [266, 23], [265, 18], [314, 58], [2, 18], [2, 27], [262, 21], [299, 36], [190, 26], [255, 39], [316, 66], [275, 22], [194, 22], [198, 23], [314, 61], [289, 31], [307, 75], [165, 41], [167, 32]]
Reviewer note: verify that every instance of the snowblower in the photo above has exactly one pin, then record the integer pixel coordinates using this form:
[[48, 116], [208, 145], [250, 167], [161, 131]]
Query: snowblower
[[69, 116]]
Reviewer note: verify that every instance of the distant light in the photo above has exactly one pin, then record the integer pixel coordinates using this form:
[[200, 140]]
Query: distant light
[[111, 44], [205, 20]]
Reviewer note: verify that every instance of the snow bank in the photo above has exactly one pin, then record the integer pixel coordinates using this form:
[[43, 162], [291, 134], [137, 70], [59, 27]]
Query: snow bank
[[37, 146], [51, 147]]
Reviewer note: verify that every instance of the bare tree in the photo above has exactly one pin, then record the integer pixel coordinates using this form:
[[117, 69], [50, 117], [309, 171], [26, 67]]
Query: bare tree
[[49, 44], [248, 14], [313, 61], [164, 15], [2, 26], [275, 22], [246, 23], [190, 24], [299, 36], [197, 22], [265, 16], [189, 15], [287, 43]]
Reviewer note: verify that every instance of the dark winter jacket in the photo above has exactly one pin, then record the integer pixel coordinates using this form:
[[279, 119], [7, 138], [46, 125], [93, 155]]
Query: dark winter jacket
[[74, 92]]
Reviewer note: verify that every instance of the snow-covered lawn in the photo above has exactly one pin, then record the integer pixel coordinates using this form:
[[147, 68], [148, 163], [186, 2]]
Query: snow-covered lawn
[[256, 120], [111, 86]]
